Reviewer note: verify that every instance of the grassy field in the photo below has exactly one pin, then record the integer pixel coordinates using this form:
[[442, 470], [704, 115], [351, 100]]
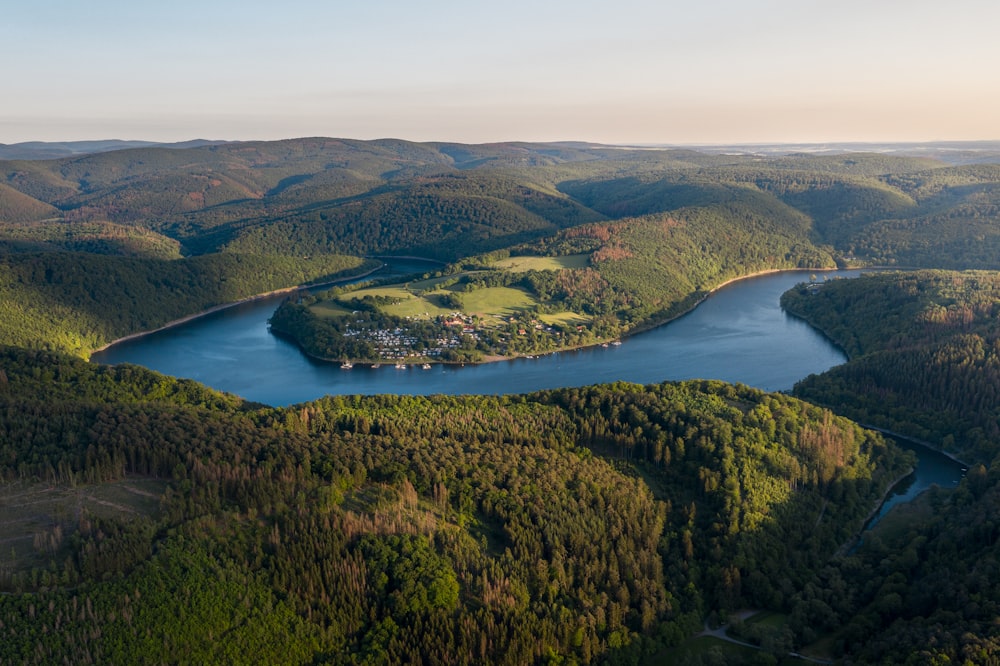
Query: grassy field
[[565, 318], [424, 299], [897, 523], [407, 305], [391, 291], [489, 301], [525, 264], [37, 518], [330, 309], [431, 283], [420, 307], [769, 619], [497, 301]]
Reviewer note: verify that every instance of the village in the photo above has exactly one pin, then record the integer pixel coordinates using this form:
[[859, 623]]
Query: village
[[456, 337]]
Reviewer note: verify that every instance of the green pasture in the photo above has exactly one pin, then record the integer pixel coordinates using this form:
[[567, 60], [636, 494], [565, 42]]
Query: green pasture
[[390, 291], [769, 619], [497, 301], [406, 305], [329, 309], [487, 301], [525, 264], [894, 526], [564, 318], [428, 305]]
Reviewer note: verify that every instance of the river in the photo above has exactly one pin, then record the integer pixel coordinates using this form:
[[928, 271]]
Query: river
[[738, 334]]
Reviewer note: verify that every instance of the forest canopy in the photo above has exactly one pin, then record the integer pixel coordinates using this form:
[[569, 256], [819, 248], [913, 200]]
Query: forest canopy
[[152, 519], [580, 522]]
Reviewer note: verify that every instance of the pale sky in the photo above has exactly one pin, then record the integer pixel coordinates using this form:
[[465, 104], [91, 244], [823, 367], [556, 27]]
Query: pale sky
[[609, 71]]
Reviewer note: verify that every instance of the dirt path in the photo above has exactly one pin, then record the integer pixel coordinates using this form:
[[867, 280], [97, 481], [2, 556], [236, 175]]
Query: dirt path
[[720, 633]]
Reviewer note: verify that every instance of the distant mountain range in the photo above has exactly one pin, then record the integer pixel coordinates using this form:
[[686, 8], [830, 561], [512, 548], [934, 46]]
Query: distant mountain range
[[952, 152], [50, 150]]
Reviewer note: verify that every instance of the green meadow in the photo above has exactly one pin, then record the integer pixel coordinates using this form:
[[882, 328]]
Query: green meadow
[[497, 301], [525, 264]]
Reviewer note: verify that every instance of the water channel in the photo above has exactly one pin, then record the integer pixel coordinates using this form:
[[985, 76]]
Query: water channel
[[738, 334]]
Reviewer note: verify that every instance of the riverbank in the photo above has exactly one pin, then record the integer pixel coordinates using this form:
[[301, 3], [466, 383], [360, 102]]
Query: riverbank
[[224, 306], [848, 547], [918, 442]]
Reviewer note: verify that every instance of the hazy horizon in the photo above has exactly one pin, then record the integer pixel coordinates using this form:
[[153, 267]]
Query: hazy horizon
[[965, 144], [635, 72]]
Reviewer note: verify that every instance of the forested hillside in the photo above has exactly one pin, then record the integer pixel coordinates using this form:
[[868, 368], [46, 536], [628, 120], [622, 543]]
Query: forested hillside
[[695, 219], [78, 302], [150, 519], [924, 354], [306, 196], [584, 524], [924, 357]]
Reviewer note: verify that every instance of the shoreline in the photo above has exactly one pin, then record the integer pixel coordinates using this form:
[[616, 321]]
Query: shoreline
[[912, 440], [224, 306], [854, 541], [699, 298]]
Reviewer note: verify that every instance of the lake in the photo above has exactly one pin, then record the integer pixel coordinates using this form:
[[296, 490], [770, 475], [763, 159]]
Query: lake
[[738, 334]]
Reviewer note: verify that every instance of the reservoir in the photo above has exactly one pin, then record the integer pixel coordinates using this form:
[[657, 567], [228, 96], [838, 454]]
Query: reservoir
[[738, 334]]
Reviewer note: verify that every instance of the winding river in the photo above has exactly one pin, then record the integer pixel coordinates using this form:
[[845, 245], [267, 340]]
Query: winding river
[[737, 334]]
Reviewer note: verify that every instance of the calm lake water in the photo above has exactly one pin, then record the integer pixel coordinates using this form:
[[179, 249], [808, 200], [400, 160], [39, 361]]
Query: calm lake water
[[738, 334]]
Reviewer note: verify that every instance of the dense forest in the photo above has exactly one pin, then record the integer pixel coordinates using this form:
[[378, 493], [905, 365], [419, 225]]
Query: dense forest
[[151, 519], [582, 524], [77, 302], [662, 225], [924, 354], [924, 349]]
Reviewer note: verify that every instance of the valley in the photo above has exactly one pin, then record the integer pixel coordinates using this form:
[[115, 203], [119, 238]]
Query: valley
[[589, 506]]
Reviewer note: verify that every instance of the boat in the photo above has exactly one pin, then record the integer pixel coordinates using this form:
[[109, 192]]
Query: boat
[[346, 365], [617, 343], [376, 366], [426, 366], [401, 366]]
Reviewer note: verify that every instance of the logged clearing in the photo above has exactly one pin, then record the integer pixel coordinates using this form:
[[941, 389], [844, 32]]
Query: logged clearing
[[37, 517]]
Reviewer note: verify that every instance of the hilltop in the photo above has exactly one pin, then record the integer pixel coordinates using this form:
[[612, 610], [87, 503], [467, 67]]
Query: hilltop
[[659, 226]]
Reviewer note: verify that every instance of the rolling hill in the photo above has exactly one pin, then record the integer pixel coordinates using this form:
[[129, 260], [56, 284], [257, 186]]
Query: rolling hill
[[150, 519]]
